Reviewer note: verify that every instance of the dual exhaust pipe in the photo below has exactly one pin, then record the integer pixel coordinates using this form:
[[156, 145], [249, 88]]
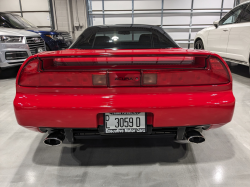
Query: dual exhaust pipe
[[54, 138], [194, 136], [57, 137]]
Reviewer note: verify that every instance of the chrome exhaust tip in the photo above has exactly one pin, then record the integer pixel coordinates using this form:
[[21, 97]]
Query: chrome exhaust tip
[[194, 136], [54, 139]]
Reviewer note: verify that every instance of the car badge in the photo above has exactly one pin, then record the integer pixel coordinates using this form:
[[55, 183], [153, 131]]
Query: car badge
[[126, 78], [36, 40]]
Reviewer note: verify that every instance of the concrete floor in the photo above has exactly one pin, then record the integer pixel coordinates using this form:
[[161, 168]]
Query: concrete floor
[[223, 160]]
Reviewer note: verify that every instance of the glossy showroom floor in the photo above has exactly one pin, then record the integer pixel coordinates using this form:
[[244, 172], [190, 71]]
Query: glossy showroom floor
[[223, 160]]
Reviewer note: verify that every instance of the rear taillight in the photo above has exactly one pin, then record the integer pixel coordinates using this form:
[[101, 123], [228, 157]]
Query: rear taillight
[[215, 73], [219, 73], [29, 75], [47, 73], [32, 76]]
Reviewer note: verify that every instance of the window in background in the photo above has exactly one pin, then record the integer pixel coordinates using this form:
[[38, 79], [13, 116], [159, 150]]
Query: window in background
[[245, 17], [232, 19]]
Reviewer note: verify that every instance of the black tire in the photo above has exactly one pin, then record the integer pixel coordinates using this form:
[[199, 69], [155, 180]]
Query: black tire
[[249, 69], [199, 45], [249, 66]]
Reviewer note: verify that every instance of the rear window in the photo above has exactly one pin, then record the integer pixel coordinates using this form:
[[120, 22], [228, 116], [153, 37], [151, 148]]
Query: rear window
[[123, 38]]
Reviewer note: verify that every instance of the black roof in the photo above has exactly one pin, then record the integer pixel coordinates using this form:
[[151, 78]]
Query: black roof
[[126, 25], [155, 27]]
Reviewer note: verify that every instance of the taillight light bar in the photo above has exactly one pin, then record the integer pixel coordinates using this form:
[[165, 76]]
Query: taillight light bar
[[215, 72], [121, 63]]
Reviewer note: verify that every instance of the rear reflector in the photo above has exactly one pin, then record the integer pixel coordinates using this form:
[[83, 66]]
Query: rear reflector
[[29, 75], [219, 71], [149, 78], [45, 73], [99, 80]]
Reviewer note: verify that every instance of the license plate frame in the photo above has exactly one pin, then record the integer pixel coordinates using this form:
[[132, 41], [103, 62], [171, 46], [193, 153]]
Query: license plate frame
[[133, 130]]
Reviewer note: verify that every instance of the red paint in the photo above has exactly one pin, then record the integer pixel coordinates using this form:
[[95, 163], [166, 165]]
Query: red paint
[[70, 100]]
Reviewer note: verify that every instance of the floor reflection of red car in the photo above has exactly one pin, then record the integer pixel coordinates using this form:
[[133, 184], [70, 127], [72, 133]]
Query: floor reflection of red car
[[124, 81]]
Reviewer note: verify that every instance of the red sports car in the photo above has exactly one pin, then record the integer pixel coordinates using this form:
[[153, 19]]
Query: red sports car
[[124, 80]]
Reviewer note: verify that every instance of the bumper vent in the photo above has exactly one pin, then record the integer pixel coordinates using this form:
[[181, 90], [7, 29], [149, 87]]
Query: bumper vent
[[35, 43], [16, 55]]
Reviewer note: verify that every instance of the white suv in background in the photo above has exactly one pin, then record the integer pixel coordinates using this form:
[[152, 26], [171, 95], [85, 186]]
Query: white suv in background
[[229, 37], [16, 45]]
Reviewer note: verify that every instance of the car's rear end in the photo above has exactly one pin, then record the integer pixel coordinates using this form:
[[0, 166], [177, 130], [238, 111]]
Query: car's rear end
[[78, 93]]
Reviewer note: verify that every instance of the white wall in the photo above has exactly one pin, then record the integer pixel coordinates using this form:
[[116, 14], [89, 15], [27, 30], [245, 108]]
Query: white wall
[[61, 13], [79, 16], [9, 5], [34, 5], [177, 4], [147, 4], [118, 5], [37, 18], [228, 3], [75, 13]]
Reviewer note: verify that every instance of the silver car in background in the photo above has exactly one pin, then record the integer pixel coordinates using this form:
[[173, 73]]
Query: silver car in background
[[16, 45]]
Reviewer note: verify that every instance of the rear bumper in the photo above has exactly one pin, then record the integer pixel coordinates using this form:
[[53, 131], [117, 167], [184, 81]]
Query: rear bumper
[[65, 110]]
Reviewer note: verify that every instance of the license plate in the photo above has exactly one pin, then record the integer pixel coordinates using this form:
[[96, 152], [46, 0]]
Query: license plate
[[122, 122]]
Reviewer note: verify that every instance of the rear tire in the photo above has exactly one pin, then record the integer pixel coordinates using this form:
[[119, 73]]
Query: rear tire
[[249, 68], [199, 45], [1, 72]]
